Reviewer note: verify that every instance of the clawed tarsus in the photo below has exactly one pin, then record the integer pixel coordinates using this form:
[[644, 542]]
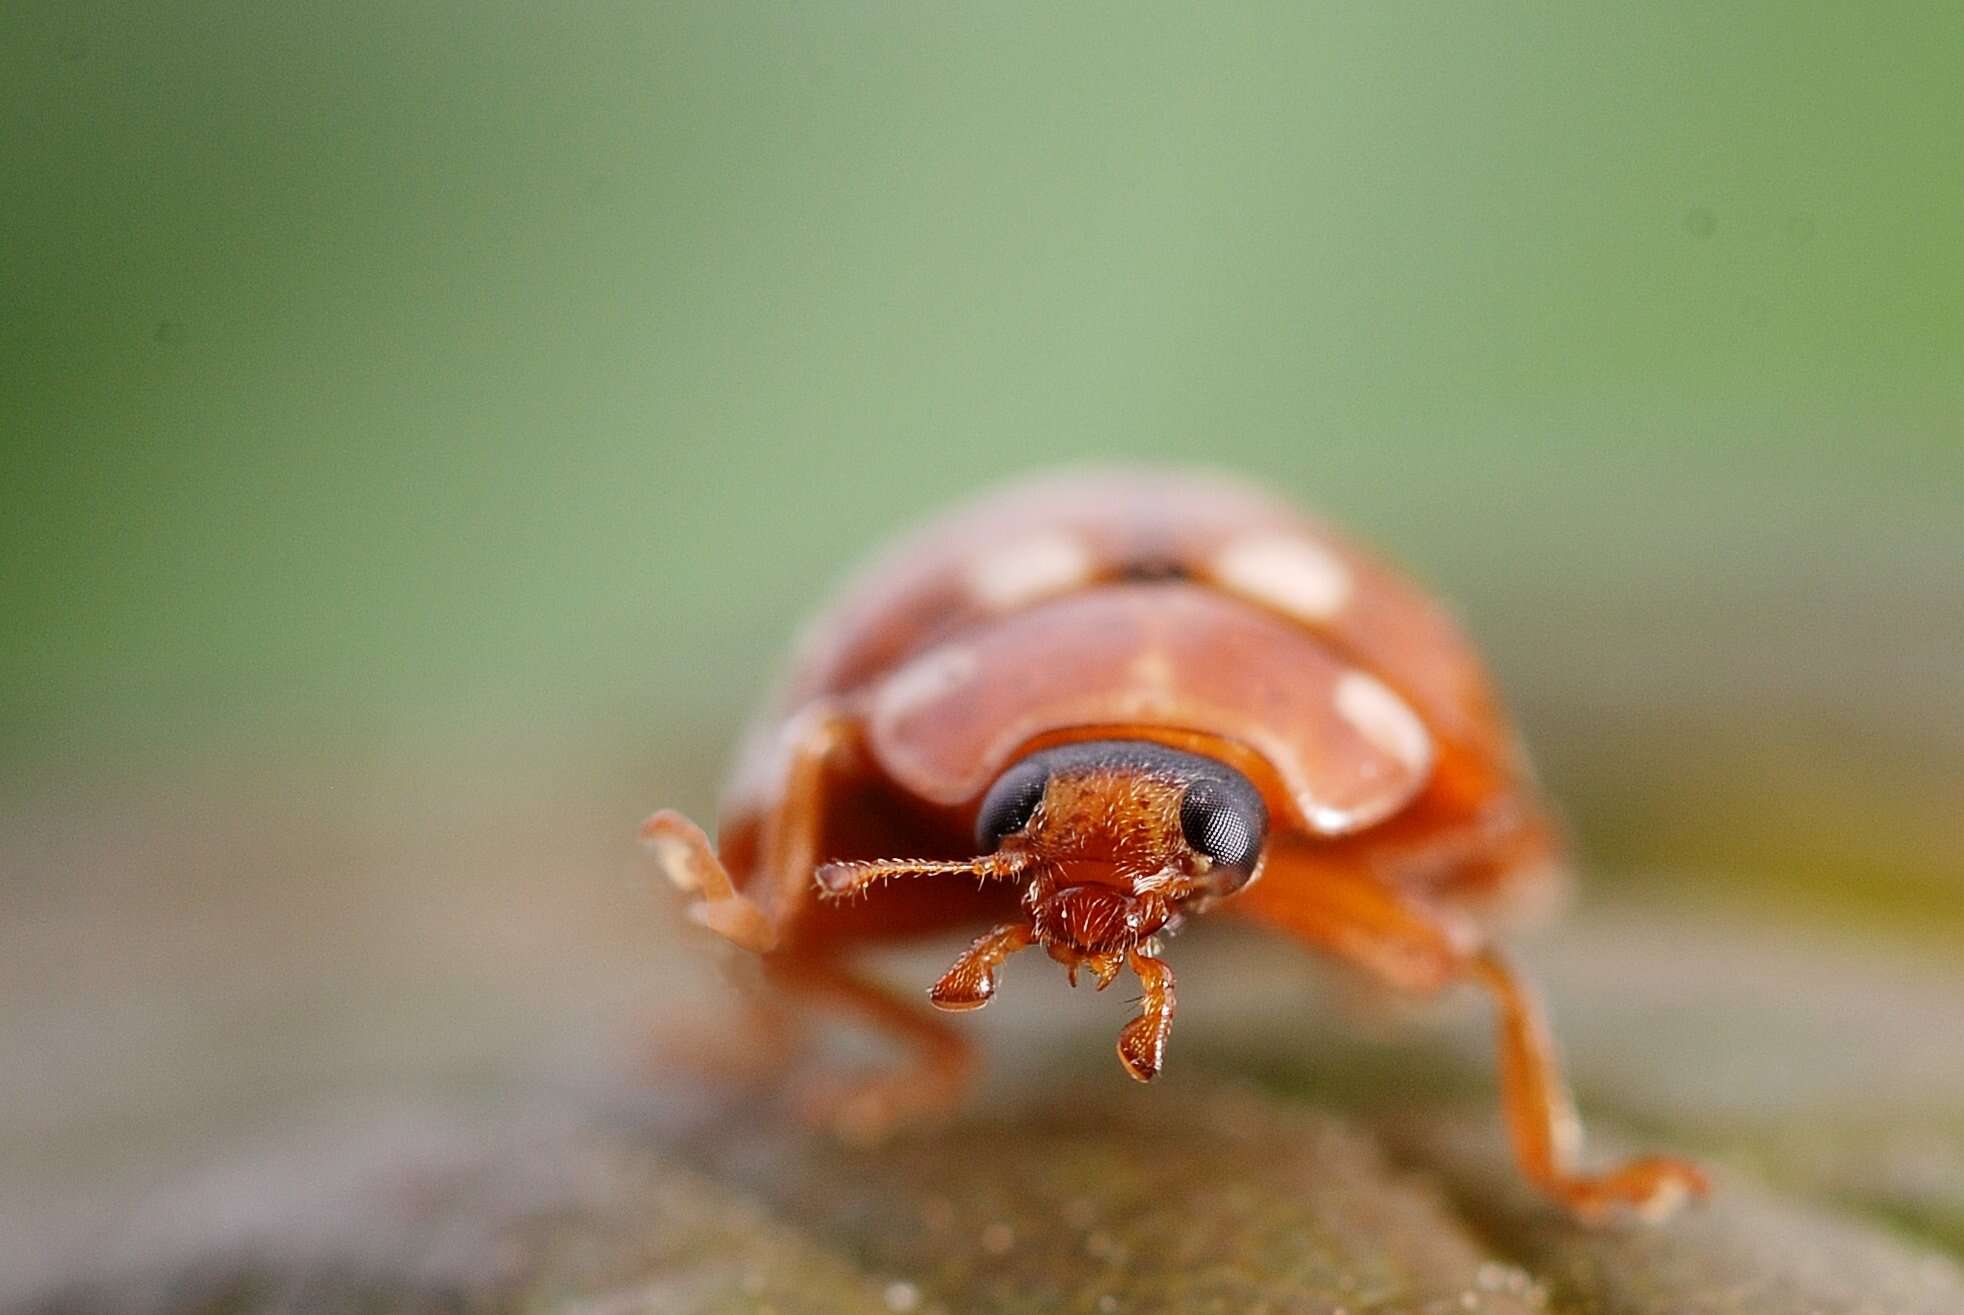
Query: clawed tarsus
[[970, 982]]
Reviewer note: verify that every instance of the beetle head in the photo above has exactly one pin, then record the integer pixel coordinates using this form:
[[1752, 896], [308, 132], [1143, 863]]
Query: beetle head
[[1114, 841], [1116, 838], [1133, 832]]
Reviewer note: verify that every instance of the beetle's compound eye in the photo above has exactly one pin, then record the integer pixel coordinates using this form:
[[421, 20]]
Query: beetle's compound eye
[[1010, 802], [1225, 819]]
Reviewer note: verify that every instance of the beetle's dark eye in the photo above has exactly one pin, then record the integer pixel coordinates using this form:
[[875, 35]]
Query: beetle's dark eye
[[1009, 804], [1225, 820]]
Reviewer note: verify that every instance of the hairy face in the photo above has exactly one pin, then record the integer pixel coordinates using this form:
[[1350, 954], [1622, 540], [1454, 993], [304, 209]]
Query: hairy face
[[1115, 837]]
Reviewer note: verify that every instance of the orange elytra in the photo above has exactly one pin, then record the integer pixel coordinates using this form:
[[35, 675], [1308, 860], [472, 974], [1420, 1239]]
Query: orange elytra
[[1082, 710]]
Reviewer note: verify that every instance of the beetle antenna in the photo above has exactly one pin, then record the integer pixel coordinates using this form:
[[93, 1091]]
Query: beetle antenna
[[839, 880]]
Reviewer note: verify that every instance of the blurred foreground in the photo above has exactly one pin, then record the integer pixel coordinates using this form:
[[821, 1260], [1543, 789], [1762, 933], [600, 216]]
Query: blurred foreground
[[417, 1072]]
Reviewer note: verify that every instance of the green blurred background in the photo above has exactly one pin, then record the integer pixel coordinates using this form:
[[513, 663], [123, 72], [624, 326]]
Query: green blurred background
[[419, 414], [432, 364]]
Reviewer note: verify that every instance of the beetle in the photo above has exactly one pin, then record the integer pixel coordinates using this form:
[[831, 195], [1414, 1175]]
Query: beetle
[[1087, 708]]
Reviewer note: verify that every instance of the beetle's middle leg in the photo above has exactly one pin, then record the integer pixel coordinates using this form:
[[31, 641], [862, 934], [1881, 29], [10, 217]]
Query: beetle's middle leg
[[1541, 1116], [866, 1110], [1357, 916]]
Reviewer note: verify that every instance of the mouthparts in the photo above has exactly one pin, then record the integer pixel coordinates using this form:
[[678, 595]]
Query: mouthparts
[[1095, 918]]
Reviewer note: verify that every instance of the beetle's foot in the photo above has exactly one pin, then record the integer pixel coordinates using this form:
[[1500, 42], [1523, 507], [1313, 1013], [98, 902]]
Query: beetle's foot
[[1142, 1045], [971, 982], [967, 985], [869, 1110], [1142, 1042], [1652, 1187]]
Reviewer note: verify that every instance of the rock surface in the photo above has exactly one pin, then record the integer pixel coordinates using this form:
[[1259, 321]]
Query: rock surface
[[393, 1094], [1213, 1198]]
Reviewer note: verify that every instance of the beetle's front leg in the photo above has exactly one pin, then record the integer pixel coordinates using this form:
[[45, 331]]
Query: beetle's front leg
[[685, 857], [816, 740], [1142, 1042], [791, 833], [865, 1110], [971, 982]]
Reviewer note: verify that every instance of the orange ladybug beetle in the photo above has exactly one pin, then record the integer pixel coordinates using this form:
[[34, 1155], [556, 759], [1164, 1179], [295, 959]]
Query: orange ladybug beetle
[[1085, 709]]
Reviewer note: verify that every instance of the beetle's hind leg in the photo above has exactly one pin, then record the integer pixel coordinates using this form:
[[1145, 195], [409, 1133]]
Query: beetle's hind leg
[[865, 1110], [685, 857]]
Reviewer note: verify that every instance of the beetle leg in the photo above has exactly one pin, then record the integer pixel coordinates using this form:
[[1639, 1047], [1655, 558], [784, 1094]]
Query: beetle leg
[[865, 1111], [793, 830], [971, 982], [749, 1051], [1142, 1042], [684, 855], [1356, 916], [1351, 914], [1541, 1115]]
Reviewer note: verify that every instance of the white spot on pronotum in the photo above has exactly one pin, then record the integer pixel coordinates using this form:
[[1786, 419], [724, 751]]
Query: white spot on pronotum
[[926, 680], [1382, 718], [1289, 573], [1023, 570], [902, 1297]]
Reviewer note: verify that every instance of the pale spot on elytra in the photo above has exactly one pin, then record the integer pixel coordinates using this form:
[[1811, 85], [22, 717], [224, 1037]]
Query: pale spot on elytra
[[1287, 572], [1382, 718], [1024, 570], [924, 681], [1154, 670]]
